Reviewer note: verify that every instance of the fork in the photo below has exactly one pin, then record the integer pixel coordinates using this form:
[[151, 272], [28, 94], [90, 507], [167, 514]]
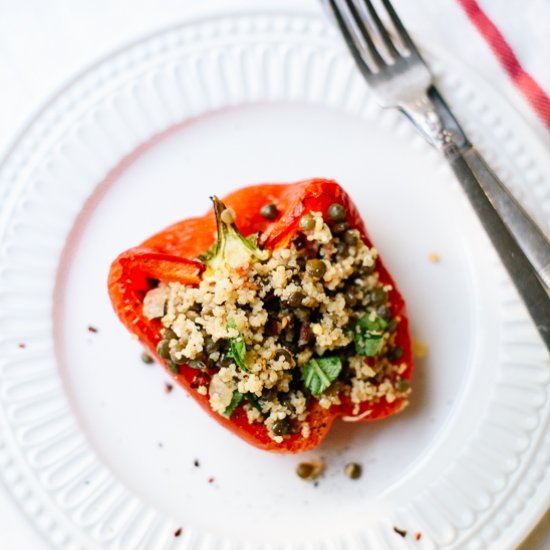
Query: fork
[[399, 78]]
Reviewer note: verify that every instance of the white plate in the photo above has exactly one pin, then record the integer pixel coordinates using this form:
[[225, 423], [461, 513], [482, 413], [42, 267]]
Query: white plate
[[99, 456]]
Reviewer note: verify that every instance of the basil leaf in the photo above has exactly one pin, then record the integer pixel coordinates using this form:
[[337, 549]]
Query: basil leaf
[[365, 323], [369, 347], [238, 346], [320, 372], [368, 335], [235, 402]]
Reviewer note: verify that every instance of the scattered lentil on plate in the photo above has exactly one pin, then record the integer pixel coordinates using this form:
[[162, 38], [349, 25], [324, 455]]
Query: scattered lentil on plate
[[310, 470], [353, 470], [146, 358]]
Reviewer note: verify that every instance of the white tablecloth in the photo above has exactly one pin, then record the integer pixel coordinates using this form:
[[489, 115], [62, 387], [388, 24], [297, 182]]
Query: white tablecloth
[[42, 44]]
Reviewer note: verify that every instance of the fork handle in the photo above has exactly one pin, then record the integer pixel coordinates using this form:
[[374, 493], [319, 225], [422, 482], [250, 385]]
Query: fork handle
[[483, 190], [526, 232]]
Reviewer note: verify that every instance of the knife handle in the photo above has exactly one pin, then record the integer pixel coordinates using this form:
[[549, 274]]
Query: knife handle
[[479, 184]]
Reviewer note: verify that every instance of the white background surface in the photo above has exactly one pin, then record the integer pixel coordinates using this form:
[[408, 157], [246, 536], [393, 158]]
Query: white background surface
[[43, 44]]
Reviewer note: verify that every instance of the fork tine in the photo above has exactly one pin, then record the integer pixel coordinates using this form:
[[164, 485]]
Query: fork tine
[[349, 38], [404, 35], [365, 34], [382, 31]]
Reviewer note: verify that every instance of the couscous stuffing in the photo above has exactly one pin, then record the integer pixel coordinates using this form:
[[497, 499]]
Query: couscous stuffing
[[270, 331]]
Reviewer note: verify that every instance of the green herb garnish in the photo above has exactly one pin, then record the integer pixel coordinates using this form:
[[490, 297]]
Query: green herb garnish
[[237, 346], [235, 402], [368, 335], [320, 372]]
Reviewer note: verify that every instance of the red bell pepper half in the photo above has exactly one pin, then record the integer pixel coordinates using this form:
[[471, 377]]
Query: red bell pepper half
[[172, 256]]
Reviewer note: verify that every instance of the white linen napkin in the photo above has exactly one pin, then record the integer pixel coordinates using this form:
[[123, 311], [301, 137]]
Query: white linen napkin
[[507, 42]]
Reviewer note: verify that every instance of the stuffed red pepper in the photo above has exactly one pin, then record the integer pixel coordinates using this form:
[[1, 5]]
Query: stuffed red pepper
[[274, 311]]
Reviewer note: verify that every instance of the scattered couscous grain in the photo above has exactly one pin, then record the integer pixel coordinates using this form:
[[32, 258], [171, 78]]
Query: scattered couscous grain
[[420, 349]]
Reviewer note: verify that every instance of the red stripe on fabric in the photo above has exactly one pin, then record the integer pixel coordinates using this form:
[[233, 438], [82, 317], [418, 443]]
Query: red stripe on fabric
[[528, 86]]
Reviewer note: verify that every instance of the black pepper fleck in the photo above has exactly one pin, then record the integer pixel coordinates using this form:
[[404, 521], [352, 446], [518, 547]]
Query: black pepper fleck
[[400, 532], [168, 387], [178, 531], [92, 329]]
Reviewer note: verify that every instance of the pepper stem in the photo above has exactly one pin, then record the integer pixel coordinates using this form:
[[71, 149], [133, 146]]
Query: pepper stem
[[231, 247]]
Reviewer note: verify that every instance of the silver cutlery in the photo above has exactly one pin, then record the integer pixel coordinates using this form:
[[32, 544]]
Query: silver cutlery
[[399, 78]]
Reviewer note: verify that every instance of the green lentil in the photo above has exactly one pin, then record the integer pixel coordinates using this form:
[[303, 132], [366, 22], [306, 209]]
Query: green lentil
[[212, 346], [181, 360], [336, 212], [340, 228], [196, 364], [172, 367], [307, 223], [395, 353], [351, 237], [295, 299], [316, 268], [146, 358], [310, 470], [368, 269], [269, 211], [402, 385], [353, 470], [384, 312], [378, 296], [169, 334], [350, 297], [282, 427], [342, 248], [392, 325], [282, 352], [163, 349]]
